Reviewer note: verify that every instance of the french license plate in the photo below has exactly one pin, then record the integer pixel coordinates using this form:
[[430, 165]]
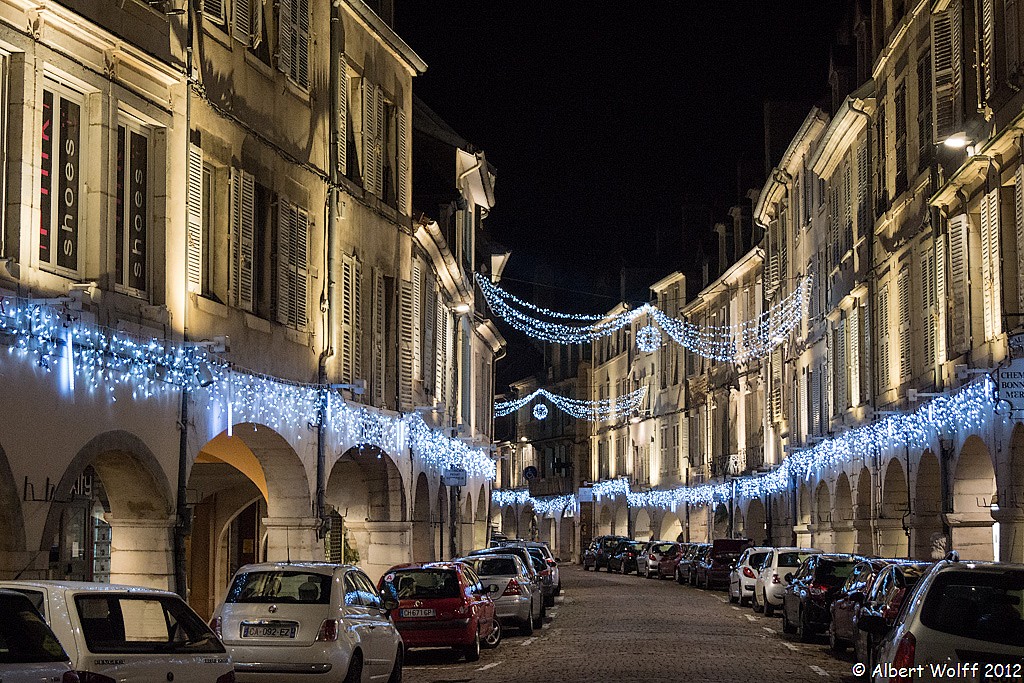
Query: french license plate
[[268, 630], [417, 613]]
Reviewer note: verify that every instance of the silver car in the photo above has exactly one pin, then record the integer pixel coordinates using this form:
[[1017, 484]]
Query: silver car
[[963, 621], [549, 559], [743, 576], [518, 598]]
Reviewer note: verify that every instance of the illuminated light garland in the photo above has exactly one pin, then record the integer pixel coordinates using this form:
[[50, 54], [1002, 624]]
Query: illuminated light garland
[[540, 411], [542, 506], [968, 409], [648, 339], [97, 359], [595, 411], [747, 340]]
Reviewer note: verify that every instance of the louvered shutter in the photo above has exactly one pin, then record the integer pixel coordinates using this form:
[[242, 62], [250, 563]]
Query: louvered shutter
[[958, 332], [301, 56], [241, 25], [928, 305], [285, 36], [847, 203], [864, 219], [194, 202], [829, 373], [357, 323], [833, 222], [286, 228], [441, 354], [1011, 20], [881, 150], [451, 361], [947, 70], [341, 112], [842, 400], [417, 320], [379, 130], [815, 379], [379, 335], [783, 245], [348, 319], [941, 298], [986, 264], [805, 412], [988, 47], [243, 197], [773, 258], [300, 262], [903, 295], [776, 361], [995, 260], [403, 163], [369, 136], [865, 353], [429, 335], [214, 9], [1018, 218], [407, 341], [883, 338], [853, 334], [901, 139]]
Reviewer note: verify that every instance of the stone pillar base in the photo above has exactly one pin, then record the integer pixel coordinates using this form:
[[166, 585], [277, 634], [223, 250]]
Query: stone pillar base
[[142, 551], [293, 538]]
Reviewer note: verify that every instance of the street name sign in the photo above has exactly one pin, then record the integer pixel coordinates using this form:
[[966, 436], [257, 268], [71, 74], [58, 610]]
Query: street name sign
[[1010, 384]]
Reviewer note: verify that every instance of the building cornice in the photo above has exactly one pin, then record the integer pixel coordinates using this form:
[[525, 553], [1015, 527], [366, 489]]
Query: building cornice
[[974, 170], [841, 134], [775, 188], [398, 47], [454, 282]]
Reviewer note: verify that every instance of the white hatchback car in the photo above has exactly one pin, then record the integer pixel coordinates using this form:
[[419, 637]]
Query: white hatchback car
[[743, 576], [770, 586], [308, 621], [963, 621], [29, 652], [128, 634]]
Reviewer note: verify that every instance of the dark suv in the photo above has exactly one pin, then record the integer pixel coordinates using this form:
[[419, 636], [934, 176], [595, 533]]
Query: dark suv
[[600, 550], [806, 606]]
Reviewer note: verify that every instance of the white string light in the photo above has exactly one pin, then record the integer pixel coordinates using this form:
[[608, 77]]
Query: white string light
[[747, 340], [595, 411]]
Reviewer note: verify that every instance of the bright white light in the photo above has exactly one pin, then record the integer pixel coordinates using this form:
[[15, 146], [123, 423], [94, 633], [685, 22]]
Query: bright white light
[[461, 308], [957, 141]]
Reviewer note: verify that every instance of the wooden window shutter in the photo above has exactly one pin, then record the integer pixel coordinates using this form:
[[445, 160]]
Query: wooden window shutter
[[406, 319], [241, 24], [441, 348], [865, 221], [853, 335], [991, 258], [194, 202], [429, 335], [243, 239], [883, 338], [286, 229], [349, 319], [379, 335], [901, 139], [451, 361], [773, 259], [830, 370], [341, 112], [403, 163], [214, 9], [958, 330], [301, 56], [379, 131], [783, 244], [927, 306], [805, 414], [865, 353], [285, 37], [988, 48], [941, 294], [300, 263], [903, 302], [841, 400], [847, 203], [815, 378], [417, 320], [369, 136], [1018, 218], [947, 70], [1011, 20], [833, 221], [776, 361]]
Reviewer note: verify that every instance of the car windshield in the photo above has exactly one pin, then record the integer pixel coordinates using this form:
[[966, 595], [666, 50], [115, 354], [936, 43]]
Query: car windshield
[[494, 566], [792, 559], [981, 605], [143, 624], [24, 637], [756, 559], [423, 584], [304, 588], [637, 547]]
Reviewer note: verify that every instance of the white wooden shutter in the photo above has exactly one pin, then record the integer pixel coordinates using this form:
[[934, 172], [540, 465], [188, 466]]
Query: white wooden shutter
[[988, 47], [829, 373], [286, 229], [357, 322], [194, 202], [451, 361], [369, 136], [947, 70], [417, 320], [403, 163], [773, 257], [441, 351], [341, 112], [241, 25], [301, 56], [833, 222], [776, 387], [903, 294], [1018, 219], [349, 314], [243, 198], [865, 353], [841, 398], [805, 413], [991, 260], [815, 378], [406, 327], [300, 263], [847, 202], [285, 37], [864, 222], [928, 307], [379, 335], [941, 299], [783, 246], [853, 333], [883, 338], [429, 335], [379, 130], [1011, 21]]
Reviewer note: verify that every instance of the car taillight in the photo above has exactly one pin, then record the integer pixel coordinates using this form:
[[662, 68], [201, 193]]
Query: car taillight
[[513, 588], [904, 657], [652, 557], [818, 588], [229, 677], [216, 624], [328, 632], [70, 677], [776, 579], [89, 677], [748, 572]]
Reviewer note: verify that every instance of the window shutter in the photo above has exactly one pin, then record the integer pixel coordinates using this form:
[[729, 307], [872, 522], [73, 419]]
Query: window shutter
[[1011, 20], [285, 37], [243, 197], [830, 370], [379, 130], [841, 369], [883, 338], [864, 219], [805, 413], [991, 257], [928, 305], [783, 245], [300, 262], [429, 335], [194, 201], [301, 56], [947, 70], [903, 295], [441, 351], [941, 294], [342, 114], [241, 26], [833, 221], [452, 360], [379, 356], [847, 203], [407, 344], [815, 378], [958, 334], [853, 335], [417, 320], [777, 384], [988, 47], [349, 313], [403, 163], [1018, 217], [369, 136], [901, 139], [865, 353], [773, 259], [286, 229], [881, 149], [214, 9]]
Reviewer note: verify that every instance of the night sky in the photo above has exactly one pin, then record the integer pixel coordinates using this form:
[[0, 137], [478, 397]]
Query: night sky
[[603, 122]]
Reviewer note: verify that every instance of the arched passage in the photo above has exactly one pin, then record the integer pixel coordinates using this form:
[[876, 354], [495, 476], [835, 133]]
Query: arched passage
[[823, 518], [480, 520], [802, 530], [604, 523], [671, 527], [863, 514], [930, 542], [1011, 503], [754, 523], [842, 516], [894, 519], [422, 531], [13, 553], [112, 517], [620, 521], [974, 488], [698, 520], [720, 522], [509, 522], [566, 548], [642, 525]]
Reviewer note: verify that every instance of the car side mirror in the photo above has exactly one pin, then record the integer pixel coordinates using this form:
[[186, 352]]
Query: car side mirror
[[788, 577], [874, 624], [493, 588], [389, 603]]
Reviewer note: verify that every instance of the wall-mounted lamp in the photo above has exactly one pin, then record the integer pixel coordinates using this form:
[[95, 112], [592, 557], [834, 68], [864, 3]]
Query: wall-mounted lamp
[[461, 308]]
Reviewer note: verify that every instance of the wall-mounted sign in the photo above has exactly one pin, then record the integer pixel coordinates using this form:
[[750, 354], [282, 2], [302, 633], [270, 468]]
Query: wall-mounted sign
[[454, 476], [1010, 384]]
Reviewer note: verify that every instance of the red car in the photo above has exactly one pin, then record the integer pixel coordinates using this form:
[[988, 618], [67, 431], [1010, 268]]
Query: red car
[[442, 604]]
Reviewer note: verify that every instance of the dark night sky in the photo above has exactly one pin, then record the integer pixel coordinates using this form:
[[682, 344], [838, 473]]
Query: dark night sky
[[601, 122]]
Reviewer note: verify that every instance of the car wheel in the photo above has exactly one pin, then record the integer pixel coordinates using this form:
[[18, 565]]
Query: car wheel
[[679, 578], [472, 652], [558, 588], [396, 669], [769, 608], [526, 626], [549, 600], [622, 569], [757, 607], [355, 669], [732, 598], [494, 637], [786, 626], [803, 629], [835, 644], [744, 601]]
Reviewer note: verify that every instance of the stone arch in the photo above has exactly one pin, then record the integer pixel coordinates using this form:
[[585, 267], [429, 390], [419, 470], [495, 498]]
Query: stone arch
[[974, 488], [863, 514], [720, 521], [698, 518], [842, 515], [620, 521], [566, 548], [930, 540], [137, 512], [1011, 502], [509, 522], [893, 519], [642, 530], [804, 518], [527, 527], [422, 529], [481, 524], [14, 556], [823, 518], [671, 528], [604, 523], [755, 522]]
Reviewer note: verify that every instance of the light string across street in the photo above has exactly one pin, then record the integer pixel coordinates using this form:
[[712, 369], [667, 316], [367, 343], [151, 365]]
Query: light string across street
[[87, 357], [738, 343], [595, 411], [967, 409]]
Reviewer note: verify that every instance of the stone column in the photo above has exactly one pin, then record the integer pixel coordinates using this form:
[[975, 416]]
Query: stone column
[[387, 544], [972, 534], [892, 539], [293, 538], [142, 551], [1011, 533]]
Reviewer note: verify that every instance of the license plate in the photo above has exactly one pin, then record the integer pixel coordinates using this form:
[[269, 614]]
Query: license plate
[[267, 631], [417, 613]]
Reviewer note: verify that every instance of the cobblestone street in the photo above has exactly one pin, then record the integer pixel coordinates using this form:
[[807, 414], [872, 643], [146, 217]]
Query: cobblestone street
[[608, 627]]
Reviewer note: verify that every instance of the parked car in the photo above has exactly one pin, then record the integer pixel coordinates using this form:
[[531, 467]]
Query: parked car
[[316, 620], [654, 554], [128, 634], [771, 582], [686, 559], [626, 557], [29, 651], [808, 598], [546, 573], [691, 568], [959, 613], [549, 558], [744, 574], [519, 600], [533, 559], [885, 599], [442, 604], [845, 608], [600, 551], [714, 567]]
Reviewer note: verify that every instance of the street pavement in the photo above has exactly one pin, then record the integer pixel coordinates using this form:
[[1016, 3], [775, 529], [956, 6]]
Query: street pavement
[[607, 627]]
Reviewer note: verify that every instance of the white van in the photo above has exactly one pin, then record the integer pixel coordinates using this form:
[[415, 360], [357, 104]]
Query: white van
[[128, 634]]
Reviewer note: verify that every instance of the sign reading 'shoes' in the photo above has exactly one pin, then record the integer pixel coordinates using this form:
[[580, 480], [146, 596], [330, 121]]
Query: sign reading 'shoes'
[[1010, 387]]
